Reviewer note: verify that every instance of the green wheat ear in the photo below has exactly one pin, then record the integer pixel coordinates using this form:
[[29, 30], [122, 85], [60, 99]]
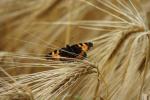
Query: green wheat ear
[[77, 97]]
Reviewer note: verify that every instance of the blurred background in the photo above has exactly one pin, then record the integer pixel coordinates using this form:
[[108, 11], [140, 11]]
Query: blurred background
[[26, 26]]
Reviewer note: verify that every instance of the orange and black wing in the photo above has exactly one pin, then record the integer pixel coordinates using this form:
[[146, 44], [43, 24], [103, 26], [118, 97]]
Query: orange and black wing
[[74, 51]]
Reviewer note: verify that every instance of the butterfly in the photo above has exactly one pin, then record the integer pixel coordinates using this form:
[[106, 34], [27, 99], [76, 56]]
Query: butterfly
[[78, 51]]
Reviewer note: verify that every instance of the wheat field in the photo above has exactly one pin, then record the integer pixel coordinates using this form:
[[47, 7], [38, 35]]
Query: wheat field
[[117, 67]]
